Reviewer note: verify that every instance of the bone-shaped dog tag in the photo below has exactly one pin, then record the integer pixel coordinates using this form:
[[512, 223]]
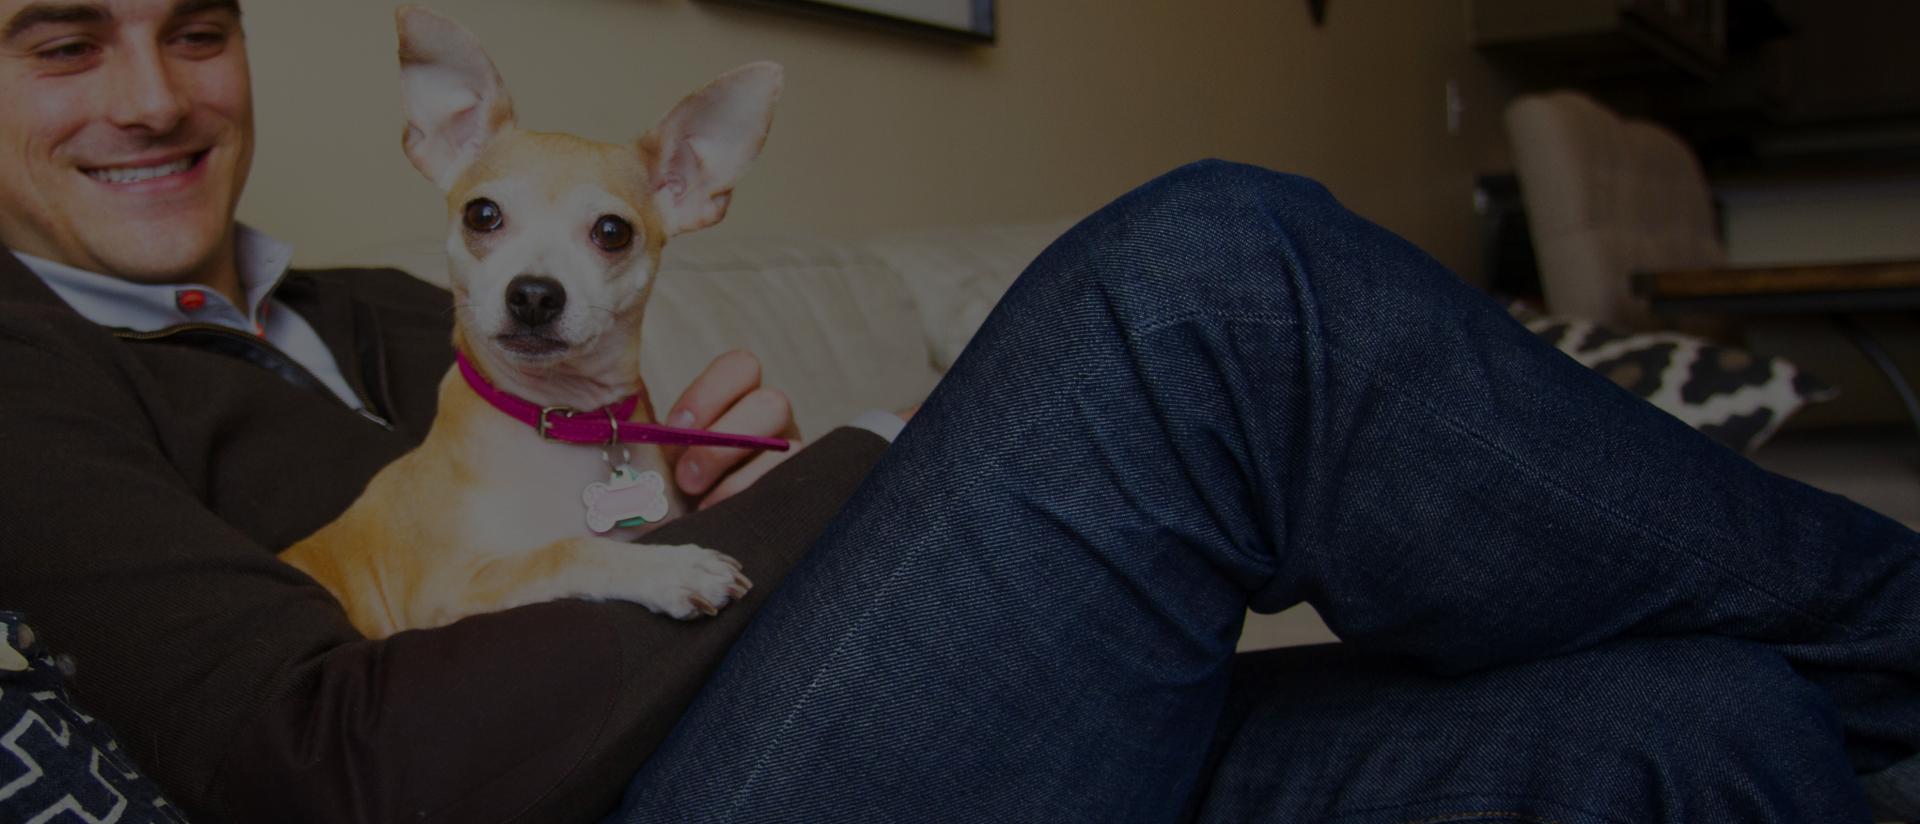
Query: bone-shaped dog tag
[[629, 498]]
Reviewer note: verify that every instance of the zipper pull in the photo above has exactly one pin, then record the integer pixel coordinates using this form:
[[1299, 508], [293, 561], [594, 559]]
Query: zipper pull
[[377, 420]]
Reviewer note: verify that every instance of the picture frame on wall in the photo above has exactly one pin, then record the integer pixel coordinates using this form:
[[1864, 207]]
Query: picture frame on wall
[[966, 20]]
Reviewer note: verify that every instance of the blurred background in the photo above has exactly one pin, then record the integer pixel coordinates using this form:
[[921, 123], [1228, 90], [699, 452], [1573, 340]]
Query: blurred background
[[884, 130], [1805, 114]]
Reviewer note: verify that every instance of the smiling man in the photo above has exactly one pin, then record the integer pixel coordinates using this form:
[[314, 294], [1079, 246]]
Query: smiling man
[[177, 405], [128, 129]]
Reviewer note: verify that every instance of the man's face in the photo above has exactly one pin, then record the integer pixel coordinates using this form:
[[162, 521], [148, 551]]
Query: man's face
[[126, 132]]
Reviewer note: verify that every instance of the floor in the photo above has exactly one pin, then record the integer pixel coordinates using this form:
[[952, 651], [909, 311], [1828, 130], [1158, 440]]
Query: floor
[[1878, 467]]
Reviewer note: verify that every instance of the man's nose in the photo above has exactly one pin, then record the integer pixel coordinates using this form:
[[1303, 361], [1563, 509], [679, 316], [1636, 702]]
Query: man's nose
[[535, 300], [146, 94]]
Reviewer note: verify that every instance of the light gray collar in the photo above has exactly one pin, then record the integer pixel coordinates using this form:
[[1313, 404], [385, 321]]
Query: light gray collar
[[142, 307]]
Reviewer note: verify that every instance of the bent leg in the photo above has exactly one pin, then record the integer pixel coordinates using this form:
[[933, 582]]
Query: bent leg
[[1686, 729], [1225, 389]]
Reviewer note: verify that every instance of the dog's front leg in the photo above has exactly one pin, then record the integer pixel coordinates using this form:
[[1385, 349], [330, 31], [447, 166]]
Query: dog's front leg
[[682, 580]]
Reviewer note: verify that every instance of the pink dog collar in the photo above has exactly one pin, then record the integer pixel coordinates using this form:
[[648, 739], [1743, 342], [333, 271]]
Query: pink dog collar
[[604, 425]]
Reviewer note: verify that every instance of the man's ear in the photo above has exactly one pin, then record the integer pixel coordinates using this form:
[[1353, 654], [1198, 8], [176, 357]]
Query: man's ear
[[454, 98], [702, 147]]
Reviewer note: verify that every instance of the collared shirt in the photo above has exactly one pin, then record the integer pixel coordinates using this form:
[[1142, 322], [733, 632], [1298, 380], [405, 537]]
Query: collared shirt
[[149, 307]]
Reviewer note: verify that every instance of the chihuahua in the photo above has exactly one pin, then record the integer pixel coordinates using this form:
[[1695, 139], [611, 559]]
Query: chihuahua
[[553, 243]]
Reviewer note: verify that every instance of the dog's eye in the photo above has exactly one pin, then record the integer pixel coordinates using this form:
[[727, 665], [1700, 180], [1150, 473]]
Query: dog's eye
[[483, 215], [612, 233]]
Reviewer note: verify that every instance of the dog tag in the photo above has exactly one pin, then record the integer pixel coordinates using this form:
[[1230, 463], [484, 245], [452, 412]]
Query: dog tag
[[629, 498]]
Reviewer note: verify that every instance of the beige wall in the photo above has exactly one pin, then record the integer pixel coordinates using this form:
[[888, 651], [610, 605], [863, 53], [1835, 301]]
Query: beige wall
[[880, 131], [1817, 221]]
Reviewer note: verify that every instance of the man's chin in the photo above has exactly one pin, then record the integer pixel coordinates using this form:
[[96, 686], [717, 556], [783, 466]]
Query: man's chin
[[161, 252]]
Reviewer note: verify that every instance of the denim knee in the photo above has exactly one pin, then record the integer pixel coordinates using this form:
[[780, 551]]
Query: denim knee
[[1215, 187], [1208, 236], [1218, 203]]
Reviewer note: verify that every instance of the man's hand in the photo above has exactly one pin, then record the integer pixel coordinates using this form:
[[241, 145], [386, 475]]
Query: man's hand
[[728, 397]]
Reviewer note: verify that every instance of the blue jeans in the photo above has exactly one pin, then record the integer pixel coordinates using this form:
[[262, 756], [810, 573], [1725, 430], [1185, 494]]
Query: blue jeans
[[1223, 390]]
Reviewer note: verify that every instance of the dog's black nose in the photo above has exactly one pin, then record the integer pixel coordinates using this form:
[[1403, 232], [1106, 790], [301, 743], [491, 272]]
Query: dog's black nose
[[535, 300]]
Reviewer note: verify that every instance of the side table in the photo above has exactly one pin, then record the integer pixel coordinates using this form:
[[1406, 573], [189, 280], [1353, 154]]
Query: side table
[[1841, 291]]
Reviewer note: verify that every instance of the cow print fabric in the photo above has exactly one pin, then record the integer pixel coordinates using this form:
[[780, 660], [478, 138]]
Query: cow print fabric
[[1731, 395]]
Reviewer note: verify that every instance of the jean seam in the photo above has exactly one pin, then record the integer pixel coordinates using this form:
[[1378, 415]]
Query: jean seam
[[1294, 269], [1545, 478], [806, 695], [1383, 382], [1161, 324], [860, 623]]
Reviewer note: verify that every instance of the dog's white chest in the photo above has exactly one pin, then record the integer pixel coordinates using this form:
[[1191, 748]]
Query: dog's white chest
[[535, 492]]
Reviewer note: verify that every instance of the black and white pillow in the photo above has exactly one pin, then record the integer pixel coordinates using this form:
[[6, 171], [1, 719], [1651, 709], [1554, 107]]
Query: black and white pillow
[[57, 763], [1731, 395]]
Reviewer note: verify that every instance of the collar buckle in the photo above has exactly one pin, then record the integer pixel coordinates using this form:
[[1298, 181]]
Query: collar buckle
[[548, 410]]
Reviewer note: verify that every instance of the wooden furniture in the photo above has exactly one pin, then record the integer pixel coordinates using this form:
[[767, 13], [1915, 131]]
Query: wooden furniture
[[1602, 38], [1818, 289], [1840, 291], [1755, 86]]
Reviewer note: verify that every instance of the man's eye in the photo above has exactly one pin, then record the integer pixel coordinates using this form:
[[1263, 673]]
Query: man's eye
[[67, 53], [205, 41]]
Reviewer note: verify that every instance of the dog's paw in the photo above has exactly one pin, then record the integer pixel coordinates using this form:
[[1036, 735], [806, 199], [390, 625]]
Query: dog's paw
[[687, 581]]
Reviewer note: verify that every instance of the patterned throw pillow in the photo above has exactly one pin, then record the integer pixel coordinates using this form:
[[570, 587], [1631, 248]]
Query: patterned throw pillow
[[58, 764], [1731, 395]]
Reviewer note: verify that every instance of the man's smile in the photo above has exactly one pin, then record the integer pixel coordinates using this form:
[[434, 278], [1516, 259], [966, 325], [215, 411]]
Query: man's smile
[[142, 171]]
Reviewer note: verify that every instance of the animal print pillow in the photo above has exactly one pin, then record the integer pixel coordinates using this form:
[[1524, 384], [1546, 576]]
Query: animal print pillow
[[1731, 395]]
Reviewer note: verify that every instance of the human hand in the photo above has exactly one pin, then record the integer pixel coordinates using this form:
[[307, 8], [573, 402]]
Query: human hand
[[728, 397]]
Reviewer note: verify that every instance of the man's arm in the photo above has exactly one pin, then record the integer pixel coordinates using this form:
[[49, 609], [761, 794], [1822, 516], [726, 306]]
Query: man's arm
[[238, 683]]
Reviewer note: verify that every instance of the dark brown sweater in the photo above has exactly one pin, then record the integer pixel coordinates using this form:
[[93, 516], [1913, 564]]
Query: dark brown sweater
[[146, 482]]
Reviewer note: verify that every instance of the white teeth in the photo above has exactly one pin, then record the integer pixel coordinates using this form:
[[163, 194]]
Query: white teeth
[[133, 174]]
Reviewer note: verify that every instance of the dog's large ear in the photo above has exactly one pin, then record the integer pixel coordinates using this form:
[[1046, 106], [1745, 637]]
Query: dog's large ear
[[702, 147], [454, 98]]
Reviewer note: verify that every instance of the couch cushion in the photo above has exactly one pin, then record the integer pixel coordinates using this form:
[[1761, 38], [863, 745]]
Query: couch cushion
[[833, 327], [956, 276]]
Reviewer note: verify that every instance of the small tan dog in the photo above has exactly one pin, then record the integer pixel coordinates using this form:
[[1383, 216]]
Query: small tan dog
[[553, 248]]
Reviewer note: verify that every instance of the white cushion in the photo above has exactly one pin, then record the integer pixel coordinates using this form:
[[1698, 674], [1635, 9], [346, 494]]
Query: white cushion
[[956, 276], [833, 327]]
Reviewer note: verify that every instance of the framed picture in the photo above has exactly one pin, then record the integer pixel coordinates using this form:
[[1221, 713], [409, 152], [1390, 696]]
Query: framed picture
[[970, 20]]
